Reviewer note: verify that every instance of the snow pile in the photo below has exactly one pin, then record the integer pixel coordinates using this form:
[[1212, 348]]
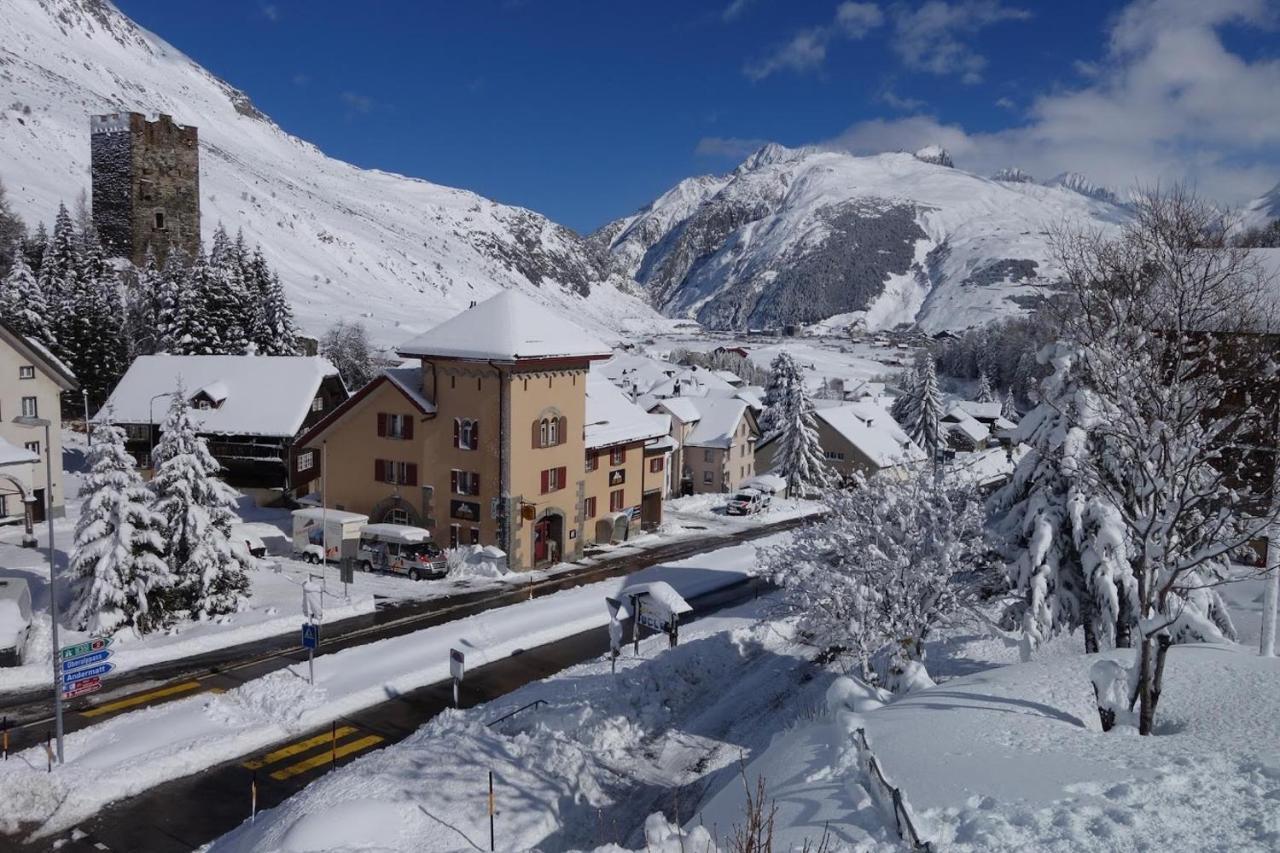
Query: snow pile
[[476, 561], [1014, 759]]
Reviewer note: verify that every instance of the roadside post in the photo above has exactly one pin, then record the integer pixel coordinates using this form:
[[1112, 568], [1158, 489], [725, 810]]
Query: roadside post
[[82, 666], [491, 811], [347, 568], [615, 633], [457, 669], [635, 623], [4, 733], [253, 798], [311, 639]]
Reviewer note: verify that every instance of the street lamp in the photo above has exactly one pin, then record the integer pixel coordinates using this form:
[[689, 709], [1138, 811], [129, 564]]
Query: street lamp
[[35, 423]]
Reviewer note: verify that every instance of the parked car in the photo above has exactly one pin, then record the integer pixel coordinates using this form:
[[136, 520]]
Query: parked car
[[402, 550], [747, 502], [322, 534], [15, 620]]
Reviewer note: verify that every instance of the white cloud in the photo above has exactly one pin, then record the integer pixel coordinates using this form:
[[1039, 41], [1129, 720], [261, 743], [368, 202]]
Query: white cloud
[[897, 102], [357, 103], [728, 147], [1169, 102], [1006, 103], [271, 12], [735, 9], [807, 49], [929, 38]]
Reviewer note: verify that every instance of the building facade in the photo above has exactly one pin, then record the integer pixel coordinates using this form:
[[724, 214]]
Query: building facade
[[146, 185], [489, 440], [31, 384]]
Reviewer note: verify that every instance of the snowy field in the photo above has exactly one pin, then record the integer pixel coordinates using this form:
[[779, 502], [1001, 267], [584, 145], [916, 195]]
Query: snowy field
[[131, 752]]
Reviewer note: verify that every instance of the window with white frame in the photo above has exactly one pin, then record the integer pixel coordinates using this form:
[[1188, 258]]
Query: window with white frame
[[317, 404], [33, 446], [30, 407], [708, 477], [466, 433], [26, 371], [708, 455], [306, 460]]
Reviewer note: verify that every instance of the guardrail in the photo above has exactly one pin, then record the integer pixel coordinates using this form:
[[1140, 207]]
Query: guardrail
[[535, 703], [885, 789]]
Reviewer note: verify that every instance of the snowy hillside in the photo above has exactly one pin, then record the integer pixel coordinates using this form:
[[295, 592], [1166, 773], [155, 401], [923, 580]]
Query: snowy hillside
[[801, 235], [1262, 211], [401, 253]]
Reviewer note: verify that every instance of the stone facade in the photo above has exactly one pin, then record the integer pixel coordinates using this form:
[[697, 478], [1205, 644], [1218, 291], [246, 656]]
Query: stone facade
[[146, 185]]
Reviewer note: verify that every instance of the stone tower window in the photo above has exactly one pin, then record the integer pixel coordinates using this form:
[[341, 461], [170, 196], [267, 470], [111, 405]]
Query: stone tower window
[[159, 220]]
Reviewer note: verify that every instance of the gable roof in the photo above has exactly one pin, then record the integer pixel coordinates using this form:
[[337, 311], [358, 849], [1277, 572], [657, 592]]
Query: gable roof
[[44, 361], [719, 419], [507, 327], [256, 394], [980, 411], [874, 432], [681, 408], [395, 377], [958, 420], [614, 419]]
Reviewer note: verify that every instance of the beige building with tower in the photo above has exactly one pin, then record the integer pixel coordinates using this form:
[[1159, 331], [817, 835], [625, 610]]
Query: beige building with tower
[[31, 384], [497, 435]]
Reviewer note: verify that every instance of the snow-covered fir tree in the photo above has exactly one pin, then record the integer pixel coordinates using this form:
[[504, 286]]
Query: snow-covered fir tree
[[227, 307], [347, 346], [1064, 554], [116, 558], [33, 248], [924, 411], [900, 408], [92, 335], [209, 570], [59, 271], [23, 306], [12, 233], [873, 578], [985, 393], [772, 395], [1009, 407], [143, 289], [276, 333], [799, 458]]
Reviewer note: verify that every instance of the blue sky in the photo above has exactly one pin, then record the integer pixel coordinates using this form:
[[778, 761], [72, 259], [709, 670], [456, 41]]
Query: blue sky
[[585, 111]]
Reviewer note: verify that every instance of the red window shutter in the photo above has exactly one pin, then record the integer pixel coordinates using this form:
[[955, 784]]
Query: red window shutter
[[564, 426], [546, 477], [411, 474], [379, 470], [453, 482], [561, 479], [537, 438], [382, 424], [408, 426], [457, 432], [622, 455]]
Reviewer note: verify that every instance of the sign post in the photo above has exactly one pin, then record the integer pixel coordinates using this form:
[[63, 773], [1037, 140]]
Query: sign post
[[457, 669], [615, 633], [311, 639], [348, 569], [81, 667]]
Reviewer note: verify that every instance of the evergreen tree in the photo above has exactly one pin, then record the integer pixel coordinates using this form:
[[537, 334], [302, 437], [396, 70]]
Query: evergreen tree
[[143, 288], [172, 298], [924, 412], [985, 393], [116, 558], [22, 304], [772, 395], [12, 234], [228, 308], [799, 458], [33, 248], [189, 328], [196, 508], [59, 273], [901, 406], [93, 328], [277, 335], [1009, 408]]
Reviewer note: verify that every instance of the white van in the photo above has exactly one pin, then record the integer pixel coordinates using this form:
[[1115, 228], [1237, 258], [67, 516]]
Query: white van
[[402, 550], [316, 529], [15, 620]]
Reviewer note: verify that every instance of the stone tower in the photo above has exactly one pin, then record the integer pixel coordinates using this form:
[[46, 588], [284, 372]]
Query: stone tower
[[146, 185]]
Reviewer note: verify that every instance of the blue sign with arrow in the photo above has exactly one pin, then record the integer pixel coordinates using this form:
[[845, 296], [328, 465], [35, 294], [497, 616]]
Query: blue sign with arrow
[[310, 635], [80, 674], [85, 660]]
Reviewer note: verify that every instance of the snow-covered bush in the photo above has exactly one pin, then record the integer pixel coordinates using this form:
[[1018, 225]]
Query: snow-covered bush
[[890, 560], [116, 559]]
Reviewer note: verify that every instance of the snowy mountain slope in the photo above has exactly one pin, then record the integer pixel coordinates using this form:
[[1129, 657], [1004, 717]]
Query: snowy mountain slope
[[1262, 211], [801, 235], [402, 254]]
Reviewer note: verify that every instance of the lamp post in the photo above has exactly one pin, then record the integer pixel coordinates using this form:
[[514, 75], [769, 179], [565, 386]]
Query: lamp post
[[88, 427], [35, 422]]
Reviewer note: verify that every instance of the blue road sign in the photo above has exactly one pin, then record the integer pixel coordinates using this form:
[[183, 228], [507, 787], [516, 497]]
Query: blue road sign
[[85, 660], [80, 674], [310, 635]]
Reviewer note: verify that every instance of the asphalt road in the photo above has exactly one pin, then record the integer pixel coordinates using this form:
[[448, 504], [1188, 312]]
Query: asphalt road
[[30, 715], [187, 813]]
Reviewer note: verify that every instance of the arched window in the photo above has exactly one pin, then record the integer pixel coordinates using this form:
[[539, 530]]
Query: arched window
[[466, 433], [543, 432], [553, 431]]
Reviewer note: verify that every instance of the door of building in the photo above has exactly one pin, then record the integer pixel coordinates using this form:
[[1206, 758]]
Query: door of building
[[38, 507], [541, 534]]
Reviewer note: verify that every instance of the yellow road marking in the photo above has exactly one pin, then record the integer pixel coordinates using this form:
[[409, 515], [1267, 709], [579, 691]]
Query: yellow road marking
[[295, 748], [140, 698], [325, 757]]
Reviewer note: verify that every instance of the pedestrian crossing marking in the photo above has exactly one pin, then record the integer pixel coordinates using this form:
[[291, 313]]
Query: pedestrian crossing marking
[[140, 698], [325, 757], [297, 748]]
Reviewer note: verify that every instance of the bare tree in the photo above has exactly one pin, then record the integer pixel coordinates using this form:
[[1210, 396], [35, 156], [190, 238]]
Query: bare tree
[[1172, 330]]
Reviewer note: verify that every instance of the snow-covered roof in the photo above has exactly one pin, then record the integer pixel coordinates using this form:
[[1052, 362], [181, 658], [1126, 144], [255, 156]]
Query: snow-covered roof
[[11, 454], [613, 419], [409, 381], [42, 358], [962, 421], [692, 382], [682, 408], [719, 419], [259, 394], [981, 411], [659, 592], [874, 432], [729, 376], [506, 327]]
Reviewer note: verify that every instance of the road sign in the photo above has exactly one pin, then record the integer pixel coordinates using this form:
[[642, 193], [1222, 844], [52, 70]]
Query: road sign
[[84, 660], [457, 664], [347, 570], [82, 687], [310, 635], [81, 674], [97, 644]]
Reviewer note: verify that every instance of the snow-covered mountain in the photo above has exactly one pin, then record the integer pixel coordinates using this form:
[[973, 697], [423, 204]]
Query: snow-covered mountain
[[802, 235], [1262, 211], [350, 243]]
